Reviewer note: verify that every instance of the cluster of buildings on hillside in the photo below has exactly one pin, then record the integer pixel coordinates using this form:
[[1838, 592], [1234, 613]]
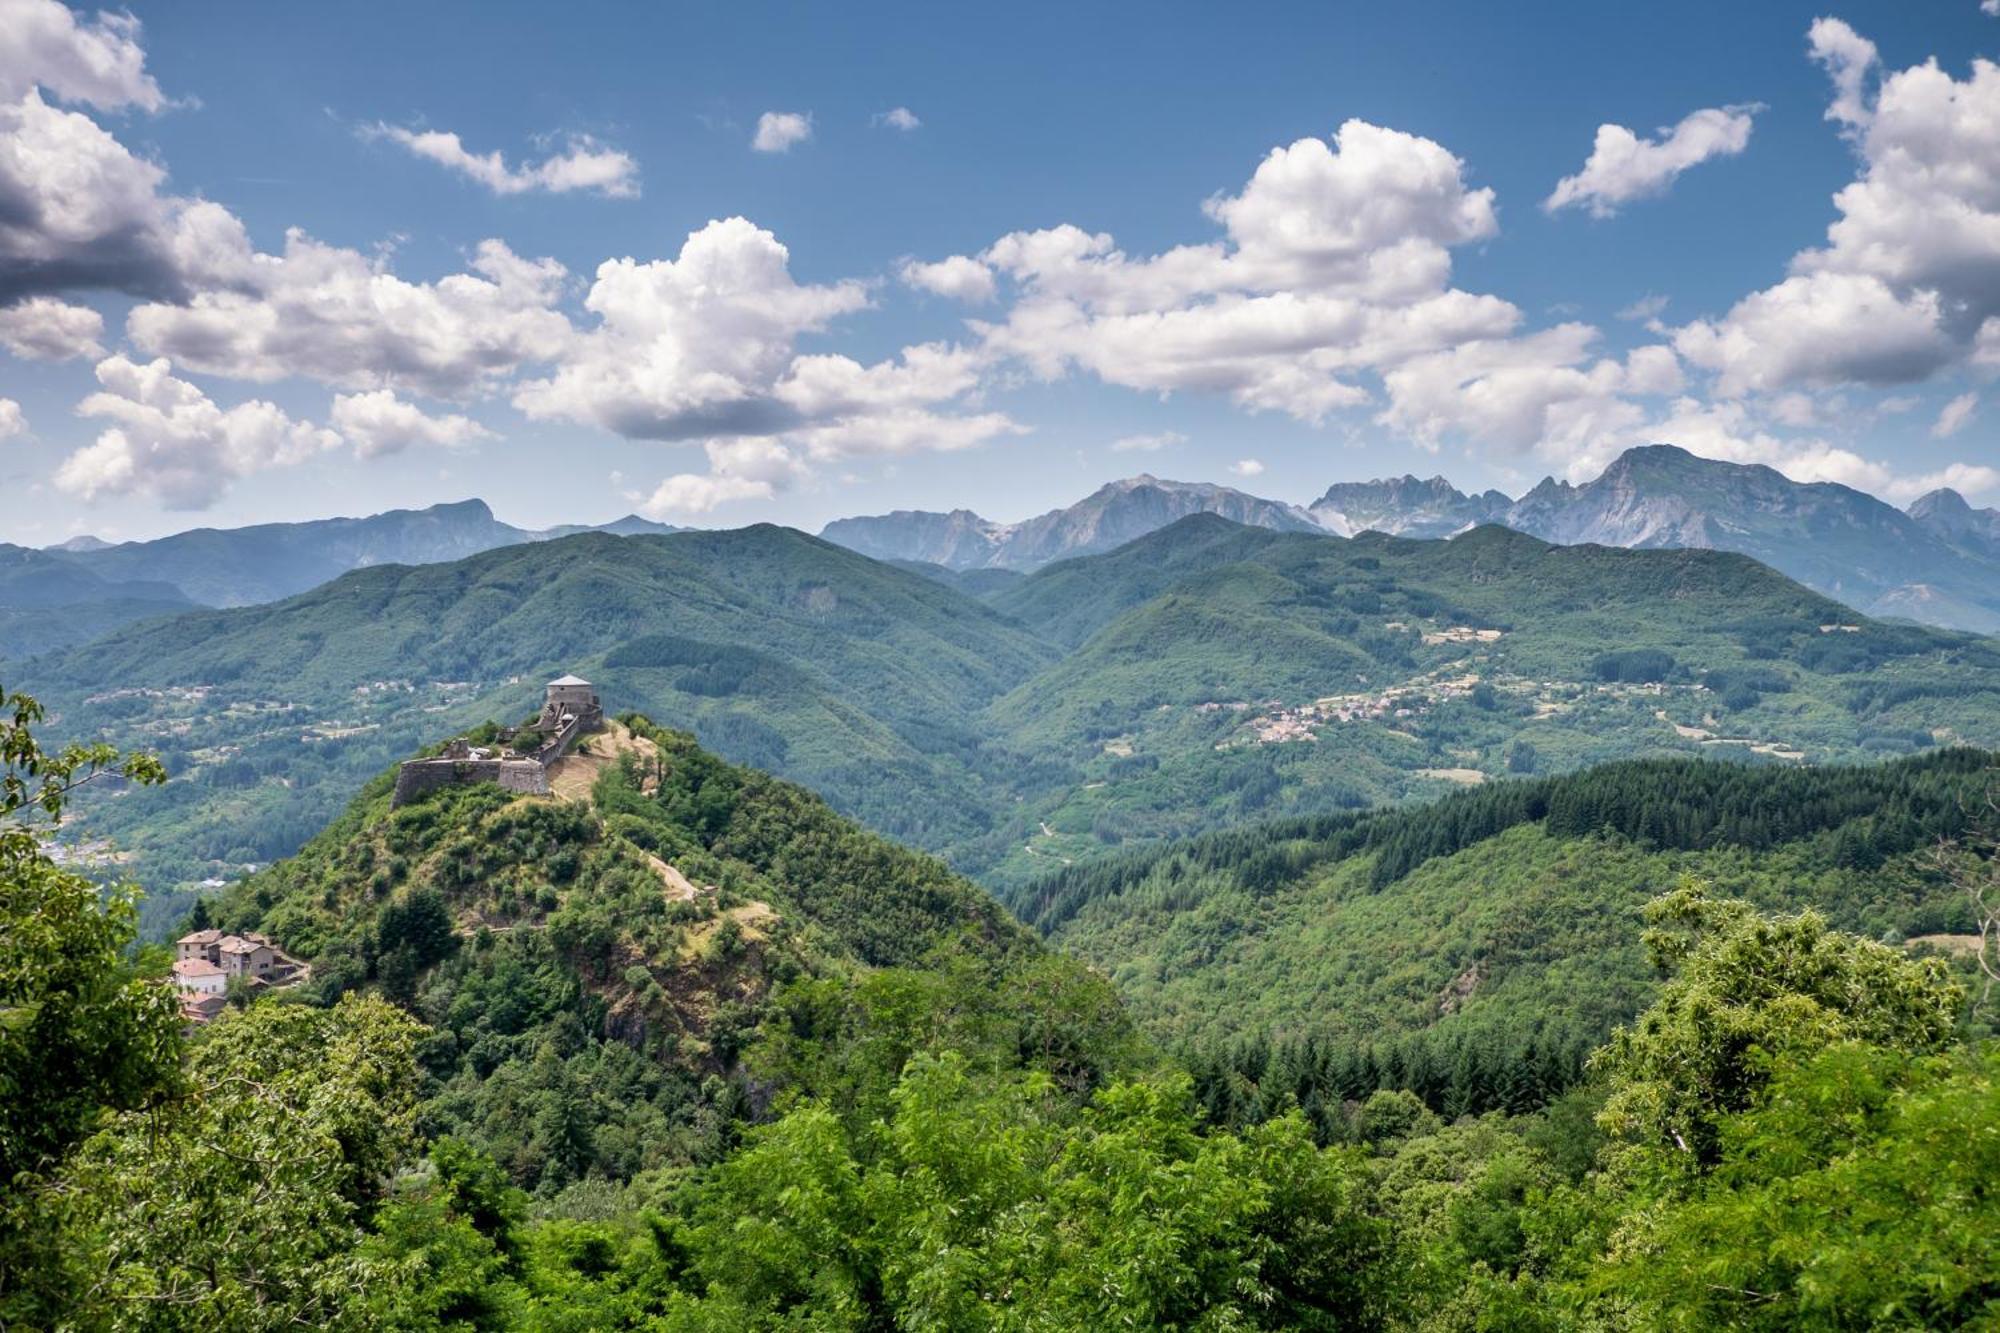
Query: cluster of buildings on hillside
[[1279, 724], [207, 960]]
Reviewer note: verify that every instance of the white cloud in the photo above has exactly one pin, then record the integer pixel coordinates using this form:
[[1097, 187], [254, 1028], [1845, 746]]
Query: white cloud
[[1847, 57], [341, 317], [13, 421], [1623, 167], [1147, 444], [1968, 479], [959, 277], [1955, 416], [1911, 270], [1247, 467], [694, 346], [42, 328], [584, 164], [1645, 309], [1990, 8], [78, 210], [1820, 328], [1335, 262], [702, 347], [902, 118], [378, 422], [99, 63], [169, 441], [777, 131]]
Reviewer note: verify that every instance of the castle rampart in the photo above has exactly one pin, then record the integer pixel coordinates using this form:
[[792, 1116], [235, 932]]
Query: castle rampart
[[569, 709]]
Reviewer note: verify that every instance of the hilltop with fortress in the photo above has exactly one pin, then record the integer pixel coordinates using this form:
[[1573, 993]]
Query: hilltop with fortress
[[522, 759]]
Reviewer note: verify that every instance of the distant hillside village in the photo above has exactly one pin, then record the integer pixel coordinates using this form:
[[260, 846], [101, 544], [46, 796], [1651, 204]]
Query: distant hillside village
[[569, 709], [208, 960]]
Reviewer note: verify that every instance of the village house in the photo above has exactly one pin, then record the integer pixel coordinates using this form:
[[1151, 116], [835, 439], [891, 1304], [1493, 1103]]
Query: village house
[[246, 955], [198, 976], [208, 960]]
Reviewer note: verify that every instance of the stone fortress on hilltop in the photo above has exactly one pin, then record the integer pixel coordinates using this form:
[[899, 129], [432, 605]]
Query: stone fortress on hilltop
[[521, 762]]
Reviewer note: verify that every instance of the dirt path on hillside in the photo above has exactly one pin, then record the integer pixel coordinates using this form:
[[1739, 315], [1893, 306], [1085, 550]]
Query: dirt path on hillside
[[572, 776]]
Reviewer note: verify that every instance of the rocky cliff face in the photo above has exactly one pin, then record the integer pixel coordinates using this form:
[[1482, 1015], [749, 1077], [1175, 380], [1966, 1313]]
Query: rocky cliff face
[[1109, 517], [960, 539], [1405, 507], [1945, 515], [1832, 538]]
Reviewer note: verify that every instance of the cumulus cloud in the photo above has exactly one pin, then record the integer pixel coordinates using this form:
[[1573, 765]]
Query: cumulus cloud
[[78, 210], [13, 421], [1847, 57], [100, 64], [902, 118], [1910, 273], [1247, 467], [692, 346], [777, 131], [702, 347], [1147, 444], [44, 329], [378, 422], [338, 316], [1955, 416], [584, 164], [170, 441], [959, 277], [1334, 261], [1623, 167]]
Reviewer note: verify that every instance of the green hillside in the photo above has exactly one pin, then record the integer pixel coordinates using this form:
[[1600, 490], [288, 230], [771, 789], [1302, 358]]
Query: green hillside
[[778, 649], [1223, 674], [1504, 922], [593, 968], [1203, 676], [678, 1048]]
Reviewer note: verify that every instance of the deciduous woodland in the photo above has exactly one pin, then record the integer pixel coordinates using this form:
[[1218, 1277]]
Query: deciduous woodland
[[693, 1051]]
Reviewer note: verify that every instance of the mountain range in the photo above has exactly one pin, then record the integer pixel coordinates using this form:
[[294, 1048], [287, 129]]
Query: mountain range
[[1937, 563], [73, 592], [1106, 518]]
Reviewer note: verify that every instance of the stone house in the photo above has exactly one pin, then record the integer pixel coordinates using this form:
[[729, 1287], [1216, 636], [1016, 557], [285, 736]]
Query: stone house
[[198, 976], [248, 955]]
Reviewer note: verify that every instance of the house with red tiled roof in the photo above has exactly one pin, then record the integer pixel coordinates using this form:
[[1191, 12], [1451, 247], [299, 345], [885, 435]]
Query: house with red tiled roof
[[198, 976]]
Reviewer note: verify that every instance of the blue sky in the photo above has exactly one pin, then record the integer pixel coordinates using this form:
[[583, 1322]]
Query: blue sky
[[1386, 297]]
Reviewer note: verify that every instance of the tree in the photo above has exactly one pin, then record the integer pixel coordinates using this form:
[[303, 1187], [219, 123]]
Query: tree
[[247, 1197], [80, 1032], [1855, 1193], [1746, 991]]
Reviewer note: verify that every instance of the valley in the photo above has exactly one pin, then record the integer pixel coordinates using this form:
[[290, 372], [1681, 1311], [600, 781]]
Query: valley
[[1206, 674]]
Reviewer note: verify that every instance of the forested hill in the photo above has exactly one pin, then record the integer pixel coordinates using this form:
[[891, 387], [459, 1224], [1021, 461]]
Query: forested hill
[[782, 651], [1504, 921], [1205, 676], [593, 966]]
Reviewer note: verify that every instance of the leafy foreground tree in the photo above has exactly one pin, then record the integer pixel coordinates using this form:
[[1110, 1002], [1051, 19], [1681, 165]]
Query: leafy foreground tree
[[80, 1032], [988, 1207], [1797, 1146]]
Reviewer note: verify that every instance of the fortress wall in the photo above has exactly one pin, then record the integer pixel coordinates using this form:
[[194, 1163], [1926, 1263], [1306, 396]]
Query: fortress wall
[[419, 776]]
